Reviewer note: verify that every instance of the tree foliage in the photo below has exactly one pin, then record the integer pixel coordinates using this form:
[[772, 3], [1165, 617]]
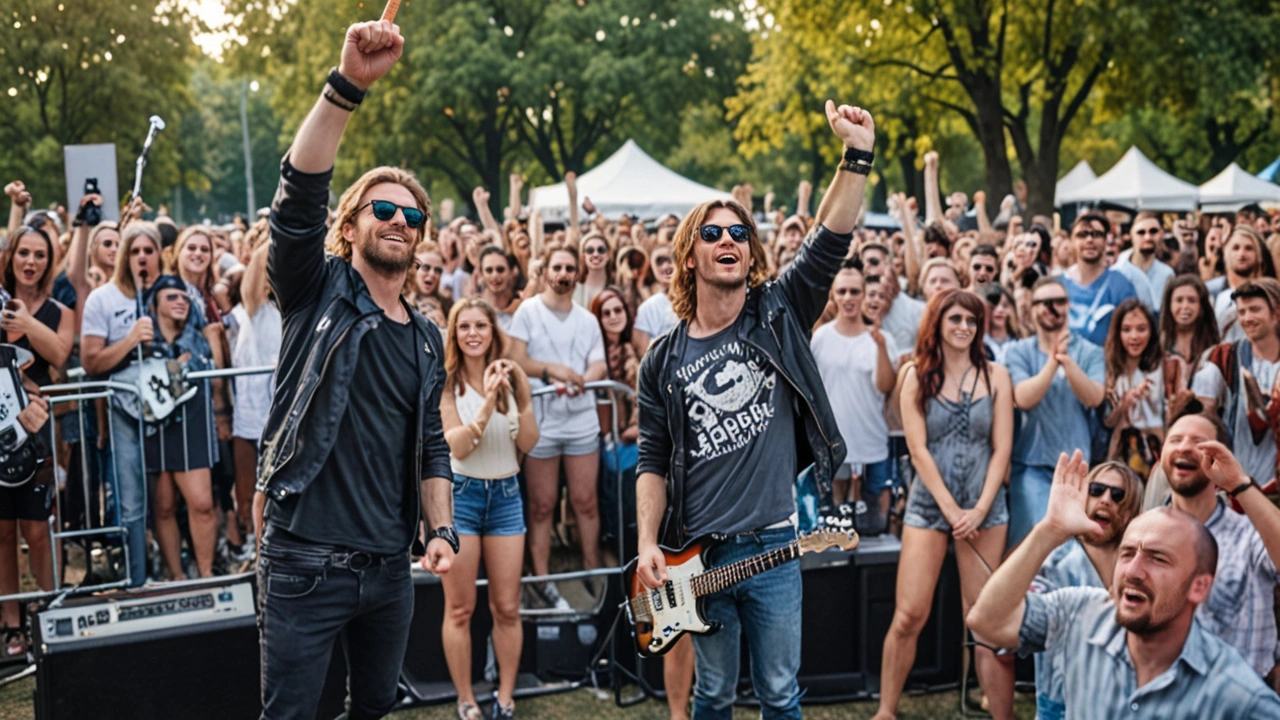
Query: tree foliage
[[87, 71]]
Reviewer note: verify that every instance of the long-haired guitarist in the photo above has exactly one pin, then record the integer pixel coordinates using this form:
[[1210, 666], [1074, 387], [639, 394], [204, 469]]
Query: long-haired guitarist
[[732, 406], [353, 452]]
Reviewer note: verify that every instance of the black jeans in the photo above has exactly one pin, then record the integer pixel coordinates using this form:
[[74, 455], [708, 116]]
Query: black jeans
[[305, 602]]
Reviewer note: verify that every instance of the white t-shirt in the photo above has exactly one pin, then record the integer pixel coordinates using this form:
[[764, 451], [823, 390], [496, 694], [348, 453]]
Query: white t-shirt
[[108, 313], [257, 343], [575, 342], [848, 369], [1147, 414], [655, 316], [903, 321], [1257, 460]]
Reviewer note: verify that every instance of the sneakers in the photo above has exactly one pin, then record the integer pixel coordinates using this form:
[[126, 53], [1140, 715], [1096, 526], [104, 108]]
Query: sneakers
[[549, 595], [498, 712]]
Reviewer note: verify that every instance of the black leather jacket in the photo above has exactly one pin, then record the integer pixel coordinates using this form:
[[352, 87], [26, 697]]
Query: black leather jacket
[[779, 317], [327, 309]]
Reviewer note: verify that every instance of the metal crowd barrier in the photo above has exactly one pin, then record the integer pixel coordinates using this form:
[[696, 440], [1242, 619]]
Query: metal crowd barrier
[[88, 391]]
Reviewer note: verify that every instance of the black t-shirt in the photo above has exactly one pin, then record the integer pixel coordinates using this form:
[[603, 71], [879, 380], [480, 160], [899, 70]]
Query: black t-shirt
[[364, 498], [50, 315], [739, 437]]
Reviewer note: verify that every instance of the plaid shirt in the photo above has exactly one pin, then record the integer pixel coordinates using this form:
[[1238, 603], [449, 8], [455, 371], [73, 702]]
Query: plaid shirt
[[1208, 681], [1241, 605], [1068, 566]]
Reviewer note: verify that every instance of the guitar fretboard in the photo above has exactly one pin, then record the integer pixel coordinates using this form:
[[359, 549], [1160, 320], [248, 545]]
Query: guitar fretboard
[[723, 577]]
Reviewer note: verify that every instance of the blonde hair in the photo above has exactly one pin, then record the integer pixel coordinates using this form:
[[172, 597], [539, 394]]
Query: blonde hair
[[123, 278], [204, 284], [453, 360], [349, 205], [684, 284]]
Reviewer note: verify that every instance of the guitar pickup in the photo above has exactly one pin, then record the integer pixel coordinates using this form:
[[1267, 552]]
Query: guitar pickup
[[671, 593], [656, 597]]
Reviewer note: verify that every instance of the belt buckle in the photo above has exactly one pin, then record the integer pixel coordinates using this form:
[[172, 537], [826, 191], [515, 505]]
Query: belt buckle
[[359, 560]]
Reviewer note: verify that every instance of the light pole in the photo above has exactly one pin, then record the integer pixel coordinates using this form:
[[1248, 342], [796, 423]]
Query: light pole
[[248, 156]]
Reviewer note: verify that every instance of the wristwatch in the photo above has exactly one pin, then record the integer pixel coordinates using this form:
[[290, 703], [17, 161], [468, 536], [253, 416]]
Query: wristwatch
[[446, 533]]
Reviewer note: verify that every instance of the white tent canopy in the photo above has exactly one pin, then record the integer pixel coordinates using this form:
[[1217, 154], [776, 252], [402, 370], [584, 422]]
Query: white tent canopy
[[1079, 176], [1137, 183], [1233, 188], [629, 182]]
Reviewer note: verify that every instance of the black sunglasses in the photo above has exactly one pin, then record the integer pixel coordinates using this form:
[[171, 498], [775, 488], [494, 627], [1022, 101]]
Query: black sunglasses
[[1056, 302], [1097, 234], [1096, 489], [712, 233], [384, 210]]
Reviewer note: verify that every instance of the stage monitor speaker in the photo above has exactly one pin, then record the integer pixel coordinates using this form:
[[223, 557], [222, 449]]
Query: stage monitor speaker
[[424, 665], [189, 652]]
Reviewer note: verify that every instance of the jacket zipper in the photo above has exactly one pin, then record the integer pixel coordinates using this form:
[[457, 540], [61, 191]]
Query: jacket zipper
[[310, 396]]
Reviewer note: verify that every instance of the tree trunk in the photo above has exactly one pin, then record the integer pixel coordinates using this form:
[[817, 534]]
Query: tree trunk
[[989, 126]]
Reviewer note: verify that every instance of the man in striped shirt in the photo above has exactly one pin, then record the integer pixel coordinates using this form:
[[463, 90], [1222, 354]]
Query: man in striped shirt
[[1137, 650]]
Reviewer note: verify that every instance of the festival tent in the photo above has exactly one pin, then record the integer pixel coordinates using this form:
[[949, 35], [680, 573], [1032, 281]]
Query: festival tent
[[1233, 188], [629, 182], [1136, 183], [1079, 176], [1270, 172]]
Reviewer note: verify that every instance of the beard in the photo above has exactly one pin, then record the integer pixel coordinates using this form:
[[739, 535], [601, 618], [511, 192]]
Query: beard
[[1188, 487], [562, 286], [381, 259], [1052, 325], [1156, 613]]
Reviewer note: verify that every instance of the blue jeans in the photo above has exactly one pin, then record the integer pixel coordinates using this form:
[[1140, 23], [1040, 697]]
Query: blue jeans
[[305, 603], [127, 490], [767, 609], [487, 507], [1028, 499]]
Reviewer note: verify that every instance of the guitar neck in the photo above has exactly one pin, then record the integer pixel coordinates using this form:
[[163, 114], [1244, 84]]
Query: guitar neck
[[720, 578]]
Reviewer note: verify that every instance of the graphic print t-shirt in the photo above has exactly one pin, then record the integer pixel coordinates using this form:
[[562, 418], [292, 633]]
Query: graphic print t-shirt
[[739, 437]]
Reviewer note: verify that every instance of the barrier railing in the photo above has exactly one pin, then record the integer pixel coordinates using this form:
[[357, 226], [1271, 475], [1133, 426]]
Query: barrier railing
[[85, 392]]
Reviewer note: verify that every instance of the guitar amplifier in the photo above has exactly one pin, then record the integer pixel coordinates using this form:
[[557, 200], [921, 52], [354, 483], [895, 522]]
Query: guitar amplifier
[[189, 652]]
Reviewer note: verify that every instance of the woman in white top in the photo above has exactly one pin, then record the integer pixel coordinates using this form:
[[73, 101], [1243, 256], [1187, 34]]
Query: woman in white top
[[1135, 387], [487, 412]]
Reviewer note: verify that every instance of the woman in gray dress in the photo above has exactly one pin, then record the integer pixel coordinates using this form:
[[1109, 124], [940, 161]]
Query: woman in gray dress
[[957, 412]]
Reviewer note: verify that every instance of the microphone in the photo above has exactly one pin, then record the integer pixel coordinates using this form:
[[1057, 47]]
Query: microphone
[[157, 122]]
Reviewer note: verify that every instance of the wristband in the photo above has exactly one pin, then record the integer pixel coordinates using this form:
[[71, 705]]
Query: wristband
[[856, 168], [855, 155], [345, 88], [1242, 487], [333, 97]]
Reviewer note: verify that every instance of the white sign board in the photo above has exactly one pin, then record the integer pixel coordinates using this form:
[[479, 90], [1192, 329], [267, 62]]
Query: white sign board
[[92, 161]]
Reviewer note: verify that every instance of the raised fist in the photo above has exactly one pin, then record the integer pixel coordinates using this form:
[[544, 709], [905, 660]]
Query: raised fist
[[369, 51]]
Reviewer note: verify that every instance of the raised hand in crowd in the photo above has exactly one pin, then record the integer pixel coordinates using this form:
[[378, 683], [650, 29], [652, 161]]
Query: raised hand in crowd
[[446, 210], [768, 202], [1066, 516], [932, 196], [515, 187], [19, 203], [804, 193], [481, 197]]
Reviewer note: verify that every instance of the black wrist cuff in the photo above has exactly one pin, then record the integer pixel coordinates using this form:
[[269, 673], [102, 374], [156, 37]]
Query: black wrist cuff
[[344, 87], [1241, 488], [855, 155], [857, 168]]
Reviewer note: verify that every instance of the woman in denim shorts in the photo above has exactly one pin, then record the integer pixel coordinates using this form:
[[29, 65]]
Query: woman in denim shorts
[[488, 422], [957, 411]]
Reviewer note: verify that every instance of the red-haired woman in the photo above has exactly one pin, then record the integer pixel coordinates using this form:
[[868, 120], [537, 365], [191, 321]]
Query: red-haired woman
[[957, 410]]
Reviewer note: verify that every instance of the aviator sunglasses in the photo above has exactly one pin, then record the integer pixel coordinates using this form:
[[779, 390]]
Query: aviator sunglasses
[[712, 233], [384, 210]]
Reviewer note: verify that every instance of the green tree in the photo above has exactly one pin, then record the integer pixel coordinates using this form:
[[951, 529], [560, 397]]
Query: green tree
[[86, 71]]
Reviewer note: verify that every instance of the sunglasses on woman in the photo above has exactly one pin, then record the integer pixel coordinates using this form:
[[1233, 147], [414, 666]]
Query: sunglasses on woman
[[1096, 489], [384, 210], [595, 250], [957, 319], [712, 233]]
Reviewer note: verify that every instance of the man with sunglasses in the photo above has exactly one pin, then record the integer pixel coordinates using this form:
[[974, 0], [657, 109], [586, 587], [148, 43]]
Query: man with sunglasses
[[732, 407], [1095, 289], [1148, 236], [353, 452], [1241, 605], [1087, 560], [984, 265], [1057, 378], [1139, 648]]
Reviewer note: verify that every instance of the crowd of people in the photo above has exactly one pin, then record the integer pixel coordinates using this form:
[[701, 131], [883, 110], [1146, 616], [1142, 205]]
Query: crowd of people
[[960, 354]]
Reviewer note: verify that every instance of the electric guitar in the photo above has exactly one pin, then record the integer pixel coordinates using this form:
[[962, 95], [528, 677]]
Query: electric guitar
[[20, 451], [660, 616]]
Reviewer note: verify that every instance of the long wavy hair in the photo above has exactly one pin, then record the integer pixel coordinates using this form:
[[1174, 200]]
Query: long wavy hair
[[929, 357], [138, 231], [45, 283], [174, 261], [349, 205], [1206, 333], [597, 306], [453, 360], [1114, 350], [1131, 506], [684, 284]]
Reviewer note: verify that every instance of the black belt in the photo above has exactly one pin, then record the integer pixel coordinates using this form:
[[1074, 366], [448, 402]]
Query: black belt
[[333, 556], [358, 559]]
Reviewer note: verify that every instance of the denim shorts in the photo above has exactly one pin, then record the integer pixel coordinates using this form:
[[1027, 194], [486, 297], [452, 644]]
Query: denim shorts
[[876, 477], [487, 507]]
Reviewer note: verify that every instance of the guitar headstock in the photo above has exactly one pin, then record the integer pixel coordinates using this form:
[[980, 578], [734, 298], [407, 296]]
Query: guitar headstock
[[820, 540]]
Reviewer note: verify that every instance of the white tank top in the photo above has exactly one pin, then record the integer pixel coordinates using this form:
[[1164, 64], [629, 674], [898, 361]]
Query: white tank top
[[495, 457]]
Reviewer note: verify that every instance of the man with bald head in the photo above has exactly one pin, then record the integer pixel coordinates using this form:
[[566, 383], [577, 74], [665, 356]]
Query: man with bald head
[[1241, 607], [1138, 649]]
